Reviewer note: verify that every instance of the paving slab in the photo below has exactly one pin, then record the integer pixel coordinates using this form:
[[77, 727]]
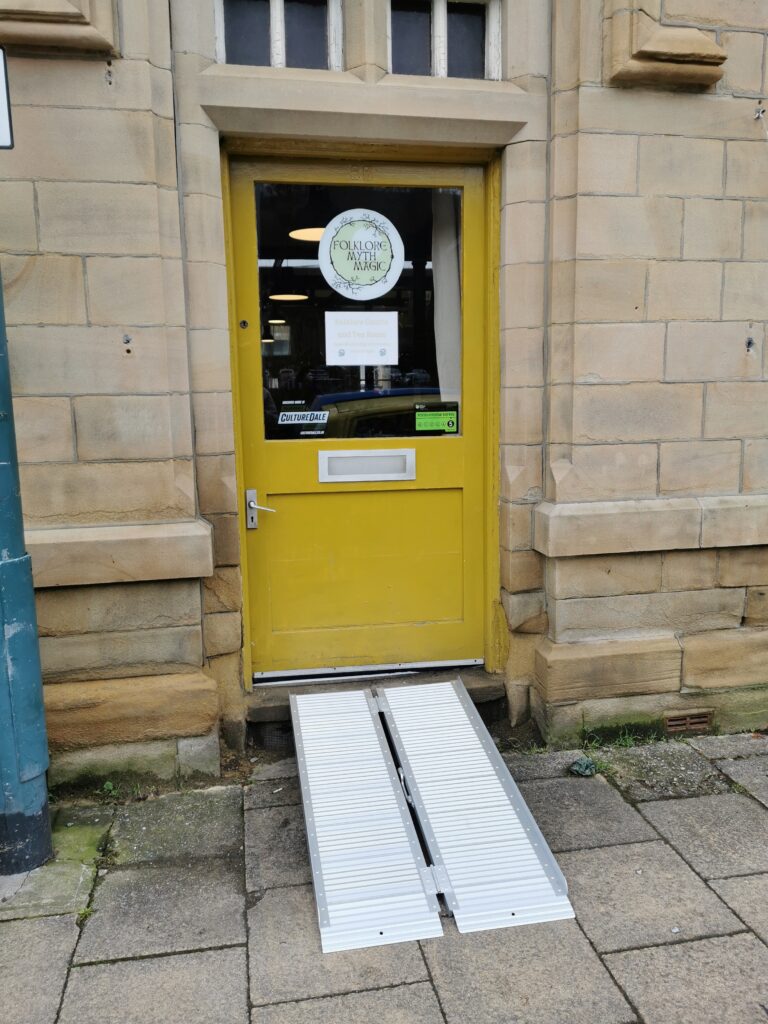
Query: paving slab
[[535, 974], [717, 835], [743, 744], [576, 814], [554, 764], [276, 793], [10, 885], [287, 963], [79, 832], [165, 908], [275, 848], [661, 771], [641, 895], [193, 988], [723, 980], [748, 897], [285, 769], [751, 773], [34, 957], [198, 824], [406, 1004], [55, 888]]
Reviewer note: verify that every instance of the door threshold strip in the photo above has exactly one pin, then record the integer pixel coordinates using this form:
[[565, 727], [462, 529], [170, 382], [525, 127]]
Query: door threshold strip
[[373, 883], [325, 675]]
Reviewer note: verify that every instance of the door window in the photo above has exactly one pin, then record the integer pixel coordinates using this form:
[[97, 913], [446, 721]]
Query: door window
[[360, 291]]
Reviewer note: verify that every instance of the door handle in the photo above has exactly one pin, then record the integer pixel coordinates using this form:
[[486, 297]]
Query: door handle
[[252, 509]]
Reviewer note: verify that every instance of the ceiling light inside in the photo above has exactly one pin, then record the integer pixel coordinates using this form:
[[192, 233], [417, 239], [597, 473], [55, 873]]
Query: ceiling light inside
[[288, 297], [277, 321], [306, 234]]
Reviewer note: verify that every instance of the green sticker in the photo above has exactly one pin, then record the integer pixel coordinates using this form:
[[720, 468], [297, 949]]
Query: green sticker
[[445, 422]]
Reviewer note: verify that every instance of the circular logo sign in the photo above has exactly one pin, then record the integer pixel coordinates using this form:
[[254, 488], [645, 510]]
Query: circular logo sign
[[361, 254]]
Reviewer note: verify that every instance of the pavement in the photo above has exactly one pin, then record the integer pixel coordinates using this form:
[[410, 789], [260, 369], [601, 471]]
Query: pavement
[[197, 908]]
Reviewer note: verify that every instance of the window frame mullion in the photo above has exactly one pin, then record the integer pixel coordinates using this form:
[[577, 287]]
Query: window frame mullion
[[277, 54], [439, 38]]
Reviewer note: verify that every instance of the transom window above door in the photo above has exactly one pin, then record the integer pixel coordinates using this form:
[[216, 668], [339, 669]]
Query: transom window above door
[[282, 33], [446, 38]]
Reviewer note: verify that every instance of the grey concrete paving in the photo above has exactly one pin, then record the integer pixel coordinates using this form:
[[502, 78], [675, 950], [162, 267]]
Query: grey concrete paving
[[406, 1004], [284, 769], [744, 744], [575, 814], [642, 894], [193, 988], [203, 823], [660, 771], [723, 981], [277, 793], [165, 908], [748, 897], [287, 963], [751, 773], [534, 974], [554, 764], [34, 958], [60, 888], [718, 836], [275, 848]]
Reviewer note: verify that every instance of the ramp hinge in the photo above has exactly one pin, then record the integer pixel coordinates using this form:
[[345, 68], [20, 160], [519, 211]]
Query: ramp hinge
[[440, 878]]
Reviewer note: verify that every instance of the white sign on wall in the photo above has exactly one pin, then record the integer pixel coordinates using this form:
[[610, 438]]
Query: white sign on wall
[[361, 254], [6, 129], [361, 339]]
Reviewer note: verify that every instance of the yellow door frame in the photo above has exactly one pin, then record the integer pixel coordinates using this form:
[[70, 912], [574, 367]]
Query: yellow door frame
[[495, 644]]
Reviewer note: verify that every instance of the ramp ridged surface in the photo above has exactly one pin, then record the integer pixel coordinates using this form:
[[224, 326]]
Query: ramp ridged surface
[[491, 861], [372, 884]]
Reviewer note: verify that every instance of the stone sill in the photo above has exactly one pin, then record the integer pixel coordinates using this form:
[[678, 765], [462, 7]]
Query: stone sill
[[79, 556], [327, 105], [659, 524]]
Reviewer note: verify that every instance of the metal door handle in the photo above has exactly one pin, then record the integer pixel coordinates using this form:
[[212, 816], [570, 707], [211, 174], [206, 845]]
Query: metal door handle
[[252, 509]]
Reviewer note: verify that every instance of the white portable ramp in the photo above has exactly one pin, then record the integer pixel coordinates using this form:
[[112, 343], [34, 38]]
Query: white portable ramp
[[372, 882]]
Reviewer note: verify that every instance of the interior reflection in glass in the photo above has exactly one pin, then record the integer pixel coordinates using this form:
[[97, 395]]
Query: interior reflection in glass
[[419, 395]]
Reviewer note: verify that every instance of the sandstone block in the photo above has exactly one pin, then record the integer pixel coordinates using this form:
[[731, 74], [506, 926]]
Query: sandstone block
[[712, 229], [199, 755], [726, 658], [82, 494], [520, 609], [520, 472], [204, 228], [201, 159], [714, 351], [123, 427], [518, 702], [169, 226], [734, 521], [688, 570], [520, 660], [207, 295], [223, 591], [756, 231], [212, 413], [227, 674], [515, 522], [522, 295], [755, 465], [629, 226], [636, 412], [43, 289], [155, 759], [603, 575], [601, 472], [522, 233], [736, 410], [524, 172], [746, 170], [700, 467], [612, 290], [603, 527], [223, 633], [608, 668], [113, 654], [744, 291], [694, 611], [563, 229], [521, 415], [129, 710], [743, 14], [66, 611], [99, 218], [216, 483], [44, 429], [607, 163], [681, 117], [740, 567], [608, 353], [17, 214], [124, 290], [226, 539], [671, 165], [106, 554], [80, 82], [686, 291], [757, 606], [521, 570], [209, 361], [565, 166]]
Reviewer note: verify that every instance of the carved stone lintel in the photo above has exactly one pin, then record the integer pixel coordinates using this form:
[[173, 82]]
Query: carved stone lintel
[[63, 24], [646, 52]]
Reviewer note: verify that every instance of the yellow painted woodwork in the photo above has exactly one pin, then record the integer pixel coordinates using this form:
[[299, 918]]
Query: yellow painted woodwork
[[366, 573]]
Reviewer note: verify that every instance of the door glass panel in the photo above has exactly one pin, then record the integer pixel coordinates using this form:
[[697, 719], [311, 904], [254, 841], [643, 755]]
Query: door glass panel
[[246, 32], [306, 33], [466, 40], [360, 292], [411, 37]]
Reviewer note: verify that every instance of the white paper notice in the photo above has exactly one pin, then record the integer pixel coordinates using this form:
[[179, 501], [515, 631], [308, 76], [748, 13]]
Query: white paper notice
[[361, 339]]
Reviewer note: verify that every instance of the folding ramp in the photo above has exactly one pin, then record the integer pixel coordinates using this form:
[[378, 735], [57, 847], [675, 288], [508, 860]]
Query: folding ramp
[[487, 857]]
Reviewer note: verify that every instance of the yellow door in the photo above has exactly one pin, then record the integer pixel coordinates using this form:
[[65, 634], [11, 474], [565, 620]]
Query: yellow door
[[359, 306]]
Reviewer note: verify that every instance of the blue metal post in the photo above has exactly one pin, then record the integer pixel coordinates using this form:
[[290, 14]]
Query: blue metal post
[[25, 828]]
